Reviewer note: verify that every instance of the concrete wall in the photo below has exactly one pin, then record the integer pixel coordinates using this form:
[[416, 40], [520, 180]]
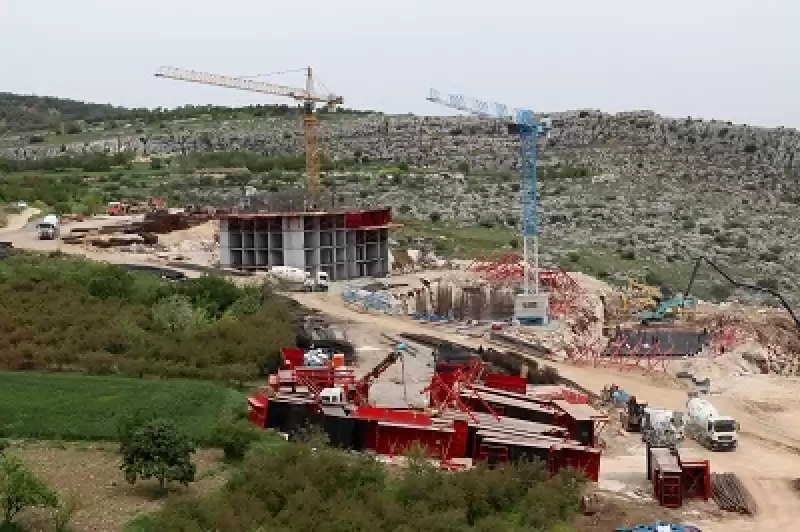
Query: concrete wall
[[312, 243]]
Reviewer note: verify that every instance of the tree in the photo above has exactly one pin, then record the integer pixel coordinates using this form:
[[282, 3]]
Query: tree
[[72, 128], [157, 449], [173, 313], [20, 488]]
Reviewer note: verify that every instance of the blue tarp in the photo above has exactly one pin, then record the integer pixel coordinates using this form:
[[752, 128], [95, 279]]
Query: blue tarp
[[619, 397], [654, 527]]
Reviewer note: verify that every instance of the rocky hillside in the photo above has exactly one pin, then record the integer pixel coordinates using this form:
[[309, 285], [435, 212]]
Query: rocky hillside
[[645, 189], [636, 143]]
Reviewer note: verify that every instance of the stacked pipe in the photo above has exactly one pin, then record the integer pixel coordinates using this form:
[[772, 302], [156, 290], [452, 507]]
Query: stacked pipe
[[731, 495]]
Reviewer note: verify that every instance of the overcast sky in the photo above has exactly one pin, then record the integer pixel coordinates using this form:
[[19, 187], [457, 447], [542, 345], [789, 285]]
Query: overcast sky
[[734, 60]]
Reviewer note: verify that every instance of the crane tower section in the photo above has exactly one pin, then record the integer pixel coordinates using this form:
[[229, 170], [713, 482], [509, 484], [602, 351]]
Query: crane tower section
[[531, 307]]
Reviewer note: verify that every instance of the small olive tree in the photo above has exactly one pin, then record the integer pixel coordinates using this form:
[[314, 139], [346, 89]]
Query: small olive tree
[[157, 449], [20, 488]]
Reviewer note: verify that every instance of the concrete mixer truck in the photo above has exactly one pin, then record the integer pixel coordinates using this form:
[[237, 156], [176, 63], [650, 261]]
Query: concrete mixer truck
[[705, 425], [662, 428]]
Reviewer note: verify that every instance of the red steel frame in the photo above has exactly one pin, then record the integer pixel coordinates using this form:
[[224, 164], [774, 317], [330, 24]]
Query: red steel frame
[[726, 338], [392, 431], [509, 268], [584, 351]]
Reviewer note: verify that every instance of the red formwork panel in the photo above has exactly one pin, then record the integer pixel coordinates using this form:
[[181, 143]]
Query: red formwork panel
[[582, 459], [392, 440], [668, 489], [509, 383], [574, 397], [696, 478], [257, 409], [292, 357], [368, 218], [408, 417]]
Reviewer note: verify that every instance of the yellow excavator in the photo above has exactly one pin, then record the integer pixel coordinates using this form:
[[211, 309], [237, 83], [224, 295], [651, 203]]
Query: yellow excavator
[[640, 296]]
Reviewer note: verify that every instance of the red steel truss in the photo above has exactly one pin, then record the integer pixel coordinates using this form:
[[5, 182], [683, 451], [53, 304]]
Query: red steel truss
[[726, 338], [566, 295], [584, 351], [445, 389], [500, 268]]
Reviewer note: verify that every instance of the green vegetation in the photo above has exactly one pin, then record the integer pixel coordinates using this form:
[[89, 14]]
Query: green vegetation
[[51, 406], [92, 162], [450, 240], [251, 161], [20, 489], [61, 313], [234, 436], [65, 194], [158, 449], [308, 486], [59, 116]]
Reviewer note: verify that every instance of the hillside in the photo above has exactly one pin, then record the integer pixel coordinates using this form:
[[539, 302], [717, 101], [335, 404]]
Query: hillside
[[20, 113], [63, 117], [625, 194]]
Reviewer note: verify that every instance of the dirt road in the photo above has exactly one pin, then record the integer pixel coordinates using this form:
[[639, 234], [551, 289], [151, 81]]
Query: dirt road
[[18, 221], [22, 234]]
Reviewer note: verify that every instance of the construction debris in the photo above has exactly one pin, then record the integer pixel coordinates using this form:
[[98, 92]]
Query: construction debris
[[731, 495]]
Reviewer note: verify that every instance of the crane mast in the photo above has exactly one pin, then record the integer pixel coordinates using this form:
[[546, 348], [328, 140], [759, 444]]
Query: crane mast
[[529, 129], [308, 95]]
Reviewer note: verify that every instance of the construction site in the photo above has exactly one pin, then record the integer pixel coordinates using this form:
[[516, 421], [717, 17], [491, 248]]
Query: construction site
[[660, 399]]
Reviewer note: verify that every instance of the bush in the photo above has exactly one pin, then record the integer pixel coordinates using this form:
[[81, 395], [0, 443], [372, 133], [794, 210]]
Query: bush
[[234, 436], [62, 313], [298, 487]]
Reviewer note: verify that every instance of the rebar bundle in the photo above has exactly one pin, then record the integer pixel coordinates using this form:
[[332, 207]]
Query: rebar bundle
[[731, 495]]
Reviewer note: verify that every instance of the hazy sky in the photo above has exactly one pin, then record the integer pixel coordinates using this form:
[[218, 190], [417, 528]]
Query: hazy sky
[[736, 60]]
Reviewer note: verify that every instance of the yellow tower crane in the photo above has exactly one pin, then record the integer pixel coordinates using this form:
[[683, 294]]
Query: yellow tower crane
[[309, 96]]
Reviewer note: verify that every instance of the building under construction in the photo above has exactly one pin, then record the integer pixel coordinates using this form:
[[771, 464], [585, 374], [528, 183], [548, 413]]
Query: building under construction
[[345, 244]]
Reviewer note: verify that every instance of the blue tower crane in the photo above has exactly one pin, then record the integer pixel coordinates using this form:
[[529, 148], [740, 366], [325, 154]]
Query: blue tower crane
[[529, 129]]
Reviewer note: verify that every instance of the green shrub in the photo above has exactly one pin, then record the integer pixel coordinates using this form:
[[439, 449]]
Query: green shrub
[[63, 313], [298, 487], [234, 436]]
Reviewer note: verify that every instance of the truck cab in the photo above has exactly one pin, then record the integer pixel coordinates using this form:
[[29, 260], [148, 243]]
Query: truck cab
[[47, 228], [318, 283], [721, 433]]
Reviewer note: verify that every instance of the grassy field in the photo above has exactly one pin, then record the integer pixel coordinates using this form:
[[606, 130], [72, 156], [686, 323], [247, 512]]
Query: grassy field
[[73, 407]]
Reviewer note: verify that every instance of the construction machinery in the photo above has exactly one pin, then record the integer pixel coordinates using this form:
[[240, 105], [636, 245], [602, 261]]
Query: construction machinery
[[530, 308], [299, 280], [613, 395], [48, 227], [309, 96], [708, 427], [640, 296], [360, 393], [631, 417], [739, 284], [662, 427], [667, 310]]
